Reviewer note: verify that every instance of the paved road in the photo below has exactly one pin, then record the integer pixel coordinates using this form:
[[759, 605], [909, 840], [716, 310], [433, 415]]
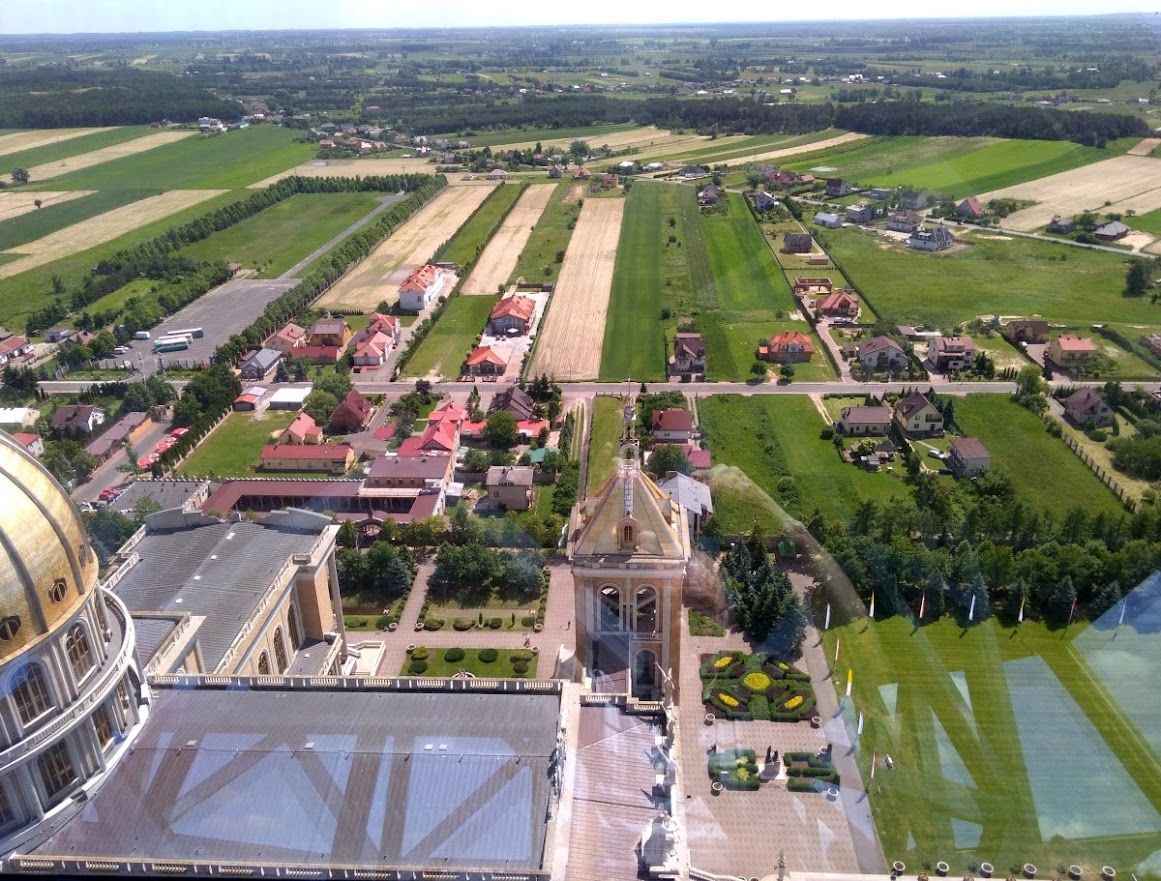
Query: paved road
[[107, 473], [384, 203]]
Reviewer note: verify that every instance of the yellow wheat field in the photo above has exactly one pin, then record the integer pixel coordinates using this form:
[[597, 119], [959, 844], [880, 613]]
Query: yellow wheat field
[[13, 204], [105, 154], [30, 140], [495, 265]]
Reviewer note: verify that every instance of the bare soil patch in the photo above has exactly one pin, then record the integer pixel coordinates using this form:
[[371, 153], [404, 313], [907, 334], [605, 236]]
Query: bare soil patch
[[575, 194], [496, 264], [794, 151], [105, 154], [570, 341], [1147, 146], [378, 277], [1116, 185], [30, 140], [645, 136], [102, 228], [353, 168], [13, 204]]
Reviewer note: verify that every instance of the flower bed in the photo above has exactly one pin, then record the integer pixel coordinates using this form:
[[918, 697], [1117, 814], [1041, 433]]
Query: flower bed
[[806, 769], [742, 687], [757, 682], [735, 769]]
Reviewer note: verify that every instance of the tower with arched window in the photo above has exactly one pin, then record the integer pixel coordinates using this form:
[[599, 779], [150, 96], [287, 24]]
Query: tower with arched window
[[629, 545]]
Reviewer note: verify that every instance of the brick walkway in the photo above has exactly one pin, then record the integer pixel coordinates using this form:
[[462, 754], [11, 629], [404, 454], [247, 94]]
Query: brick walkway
[[557, 630]]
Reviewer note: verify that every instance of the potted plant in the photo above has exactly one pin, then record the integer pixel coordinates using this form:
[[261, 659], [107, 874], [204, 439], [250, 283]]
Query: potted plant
[[716, 787], [1029, 870], [897, 867], [942, 868], [1074, 872], [986, 869]]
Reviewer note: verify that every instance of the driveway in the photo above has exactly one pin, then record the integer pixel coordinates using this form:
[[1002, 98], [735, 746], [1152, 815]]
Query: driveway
[[107, 473]]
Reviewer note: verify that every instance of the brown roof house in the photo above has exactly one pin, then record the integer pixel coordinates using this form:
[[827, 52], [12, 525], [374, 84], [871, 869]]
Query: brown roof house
[[905, 221], [916, 415], [515, 401], [836, 187], [840, 303], [688, 354], [865, 421], [882, 353], [1026, 330], [510, 486], [351, 414], [1086, 409], [286, 340], [797, 243], [672, 424], [512, 315], [330, 332], [952, 352], [788, 347], [1069, 351], [968, 457], [76, 419], [331, 458]]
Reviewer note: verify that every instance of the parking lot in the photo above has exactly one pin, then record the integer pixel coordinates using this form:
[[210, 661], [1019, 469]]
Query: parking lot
[[222, 312]]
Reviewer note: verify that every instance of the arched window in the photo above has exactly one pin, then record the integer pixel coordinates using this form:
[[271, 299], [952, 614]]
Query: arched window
[[103, 723], [79, 651], [627, 536], [295, 634], [610, 612], [280, 651], [644, 674], [56, 769], [30, 693], [645, 610], [263, 665]]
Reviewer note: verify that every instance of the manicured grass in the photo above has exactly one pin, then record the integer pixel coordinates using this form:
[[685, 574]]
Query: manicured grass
[[470, 239], [1120, 364], [501, 668], [228, 161], [552, 233], [36, 224], [634, 341], [604, 440], [591, 134], [1150, 222], [234, 448], [73, 147], [445, 349], [742, 339], [981, 725], [142, 287], [275, 239], [771, 437], [988, 277]]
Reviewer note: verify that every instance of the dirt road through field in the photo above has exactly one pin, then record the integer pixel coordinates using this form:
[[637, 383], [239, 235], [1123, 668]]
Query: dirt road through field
[[105, 154], [495, 265], [30, 140], [570, 340], [378, 277], [1145, 148]]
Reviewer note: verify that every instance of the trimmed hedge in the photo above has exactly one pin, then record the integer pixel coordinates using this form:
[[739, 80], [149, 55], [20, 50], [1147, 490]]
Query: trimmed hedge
[[433, 623], [487, 656], [417, 667], [520, 668], [453, 655], [801, 784], [462, 624], [419, 653]]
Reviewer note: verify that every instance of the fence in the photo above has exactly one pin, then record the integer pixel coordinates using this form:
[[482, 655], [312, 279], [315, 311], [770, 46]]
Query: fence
[[1099, 471]]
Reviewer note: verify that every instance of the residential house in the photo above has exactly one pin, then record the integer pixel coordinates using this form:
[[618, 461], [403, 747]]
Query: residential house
[[788, 347], [672, 424], [688, 354], [76, 419], [512, 316], [878, 193], [968, 457], [249, 398], [691, 172], [1062, 225], [827, 219], [708, 195], [836, 187], [421, 288], [952, 352], [882, 353], [865, 421], [970, 208], [1026, 330], [692, 496], [609, 180], [905, 221], [1111, 232], [14, 347], [510, 486], [860, 214], [449, 412], [377, 322], [58, 334], [486, 361], [371, 349], [581, 173], [287, 339], [328, 458], [763, 201], [126, 430], [916, 415], [330, 332], [914, 200], [261, 365], [410, 472], [840, 303], [320, 354], [1086, 408], [515, 401], [303, 430], [497, 174], [937, 239], [31, 442], [797, 243], [351, 414], [1069, 351], [556, 171]]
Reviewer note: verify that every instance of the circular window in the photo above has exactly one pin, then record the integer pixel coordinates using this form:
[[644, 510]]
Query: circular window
[[58, 590], [8, 626]]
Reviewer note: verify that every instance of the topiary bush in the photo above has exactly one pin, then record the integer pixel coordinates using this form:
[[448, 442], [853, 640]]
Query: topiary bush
[[382, 622], [419, 653], [453, 655], [464, 623], [487, 656], [527, 620], [521, 655], [520, 668], [495, 623], [433, 624], [417, 667]]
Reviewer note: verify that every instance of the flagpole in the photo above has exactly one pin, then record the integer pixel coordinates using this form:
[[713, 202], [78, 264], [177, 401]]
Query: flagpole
[[837, 643], [826, 626], [1020, 617], [850, 680], [859, 730], [872, 610]]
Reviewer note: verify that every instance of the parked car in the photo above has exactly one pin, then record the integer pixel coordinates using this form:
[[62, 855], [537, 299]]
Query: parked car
[[937, 454]]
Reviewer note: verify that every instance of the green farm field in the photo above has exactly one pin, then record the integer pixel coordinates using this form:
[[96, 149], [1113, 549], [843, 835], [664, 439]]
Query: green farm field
[[33, 225], [73, 147], [604, 440], [757, 144], [275, 239], [1023, 449], [983, 723], [988, 277], [552, 233], [956, 166], [229, 161], [471, 238], [449, 343], [234, 449]]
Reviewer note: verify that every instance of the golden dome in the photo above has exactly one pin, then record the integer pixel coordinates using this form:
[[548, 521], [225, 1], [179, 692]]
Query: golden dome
[[47, 567]]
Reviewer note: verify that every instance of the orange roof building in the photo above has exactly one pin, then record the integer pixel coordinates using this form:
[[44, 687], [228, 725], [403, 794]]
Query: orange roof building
[[787, 347]]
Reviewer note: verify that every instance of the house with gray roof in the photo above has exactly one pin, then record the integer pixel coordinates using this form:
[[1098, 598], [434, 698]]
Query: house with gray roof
[[692, 496]]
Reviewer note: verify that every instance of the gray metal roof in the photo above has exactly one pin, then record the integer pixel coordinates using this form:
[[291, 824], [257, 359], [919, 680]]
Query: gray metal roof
[[371, 778], [151, 633], [219, 570], [167, 493]]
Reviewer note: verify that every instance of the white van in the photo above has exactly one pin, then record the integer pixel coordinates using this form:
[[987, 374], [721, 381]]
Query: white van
[[141, 335]]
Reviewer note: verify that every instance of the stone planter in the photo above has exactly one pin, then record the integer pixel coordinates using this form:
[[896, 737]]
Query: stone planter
[[1029, 870], [1108, 873], [709, 718], [942, 868], [986, 869], [1074, 872], [716, 787], [410, 648], [815, 722], [898, 866], [393, 626], [536, 628], [535, 649], [418, 626]]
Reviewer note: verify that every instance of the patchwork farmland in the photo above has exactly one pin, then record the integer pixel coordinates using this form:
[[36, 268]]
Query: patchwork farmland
[[498, 260]]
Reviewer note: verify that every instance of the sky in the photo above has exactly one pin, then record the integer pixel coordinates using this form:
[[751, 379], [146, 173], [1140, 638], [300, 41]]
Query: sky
[[120, 16]]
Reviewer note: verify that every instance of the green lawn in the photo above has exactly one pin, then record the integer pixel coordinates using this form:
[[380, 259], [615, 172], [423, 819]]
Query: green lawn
[[1045, 472], [956, 166], [1150, 222], [1006, 748], [275, 239], [634, 340], [470, 239], [34, 225], [604, 441], [73, 147], [552, 233], [989, 276], [772, 437], [228, 161], [449, 343], [742, 337], [501, 668], [235, 447]]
